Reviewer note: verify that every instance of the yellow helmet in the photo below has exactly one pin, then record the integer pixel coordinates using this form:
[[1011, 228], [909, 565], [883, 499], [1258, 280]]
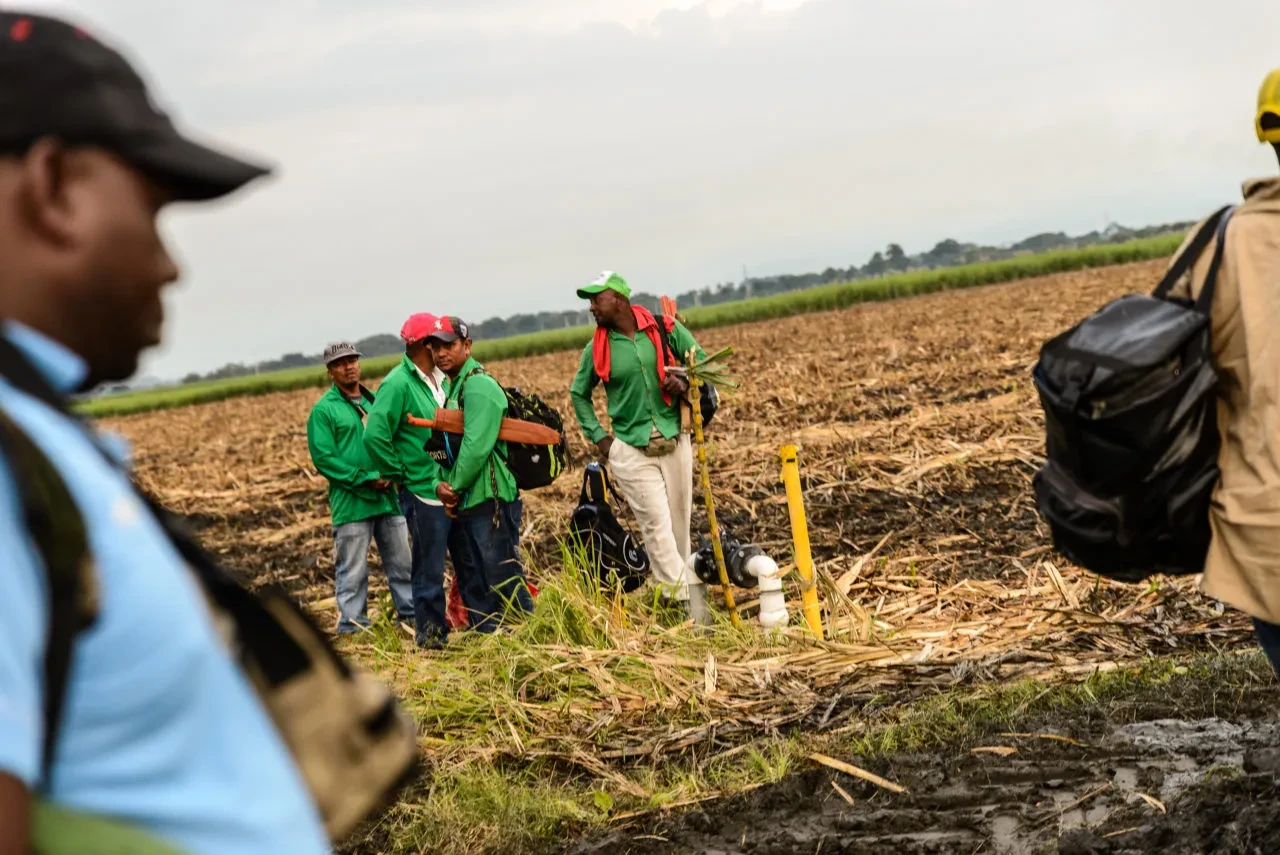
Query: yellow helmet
[[1269, 103]]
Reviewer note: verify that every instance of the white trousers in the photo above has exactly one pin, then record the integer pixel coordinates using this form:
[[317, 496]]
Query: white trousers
[[660, 493]]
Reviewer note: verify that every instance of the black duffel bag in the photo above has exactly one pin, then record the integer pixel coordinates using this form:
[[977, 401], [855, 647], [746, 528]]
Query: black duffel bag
[[610, 550], [1131, 434]]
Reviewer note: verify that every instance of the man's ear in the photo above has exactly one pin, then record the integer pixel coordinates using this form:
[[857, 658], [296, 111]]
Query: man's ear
[[47, 207]]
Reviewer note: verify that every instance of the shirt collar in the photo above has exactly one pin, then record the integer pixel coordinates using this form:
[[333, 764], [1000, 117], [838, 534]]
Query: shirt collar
[[1262, 189], [435, 378], [63, 369]]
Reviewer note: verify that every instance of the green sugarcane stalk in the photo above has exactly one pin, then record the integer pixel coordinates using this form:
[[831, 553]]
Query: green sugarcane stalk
[[700, 373], [716, 548], [711, 371]]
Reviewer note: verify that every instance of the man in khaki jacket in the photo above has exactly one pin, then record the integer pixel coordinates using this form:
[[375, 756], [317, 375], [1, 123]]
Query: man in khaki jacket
[[1242, 568]]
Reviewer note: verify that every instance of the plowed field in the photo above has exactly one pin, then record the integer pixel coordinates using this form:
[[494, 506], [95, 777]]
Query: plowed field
[[919, 431], [916, 419]]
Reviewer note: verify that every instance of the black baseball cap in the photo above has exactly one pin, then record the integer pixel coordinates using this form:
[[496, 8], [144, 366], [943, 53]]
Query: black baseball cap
[[449, 328], [57, 80]]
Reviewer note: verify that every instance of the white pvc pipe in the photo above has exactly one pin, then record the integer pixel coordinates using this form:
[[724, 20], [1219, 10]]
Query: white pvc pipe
[[773, 604]]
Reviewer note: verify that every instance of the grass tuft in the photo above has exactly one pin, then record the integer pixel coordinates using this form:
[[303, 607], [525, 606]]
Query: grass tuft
[[600, 708]]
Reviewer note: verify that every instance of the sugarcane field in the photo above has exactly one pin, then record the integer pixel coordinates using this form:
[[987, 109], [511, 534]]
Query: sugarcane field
[[967, 688], [639, 427]]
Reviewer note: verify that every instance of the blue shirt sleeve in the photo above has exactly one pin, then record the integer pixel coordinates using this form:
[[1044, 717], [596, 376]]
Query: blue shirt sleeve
[[24, 620]]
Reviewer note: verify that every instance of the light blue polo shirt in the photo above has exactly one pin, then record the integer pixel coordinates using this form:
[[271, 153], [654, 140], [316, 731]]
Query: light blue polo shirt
[[159, 727]]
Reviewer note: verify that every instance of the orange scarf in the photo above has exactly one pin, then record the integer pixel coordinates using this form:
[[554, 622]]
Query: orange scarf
[[646, 323]]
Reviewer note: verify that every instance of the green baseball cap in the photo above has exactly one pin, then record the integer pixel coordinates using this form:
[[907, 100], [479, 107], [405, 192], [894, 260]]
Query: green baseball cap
[[604, 282]]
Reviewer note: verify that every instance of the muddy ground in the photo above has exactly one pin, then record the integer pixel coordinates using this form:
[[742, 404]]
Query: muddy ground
[[1179, 773]]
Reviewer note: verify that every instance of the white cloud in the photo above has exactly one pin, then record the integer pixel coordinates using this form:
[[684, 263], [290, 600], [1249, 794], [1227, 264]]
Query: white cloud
[[484, 157]]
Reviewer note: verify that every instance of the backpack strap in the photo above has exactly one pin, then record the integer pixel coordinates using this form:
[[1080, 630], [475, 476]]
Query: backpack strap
[[666, 330], [365, 395], [479, 369], [1182, 264], [1204, 303], [57, 527]]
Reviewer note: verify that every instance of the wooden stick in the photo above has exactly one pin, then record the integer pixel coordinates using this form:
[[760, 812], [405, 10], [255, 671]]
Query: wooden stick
[[841, 766]]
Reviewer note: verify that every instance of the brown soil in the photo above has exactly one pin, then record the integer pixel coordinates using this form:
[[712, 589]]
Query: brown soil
[[869, 393], [916, 419], [919, 431]]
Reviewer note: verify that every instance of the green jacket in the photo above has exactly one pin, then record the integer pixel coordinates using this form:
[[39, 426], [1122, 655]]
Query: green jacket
[[633, 394], [335, 433], [479, 465], [396, 447]]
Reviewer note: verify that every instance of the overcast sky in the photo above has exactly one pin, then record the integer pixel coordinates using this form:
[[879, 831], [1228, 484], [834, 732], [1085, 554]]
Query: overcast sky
[[483, 157]]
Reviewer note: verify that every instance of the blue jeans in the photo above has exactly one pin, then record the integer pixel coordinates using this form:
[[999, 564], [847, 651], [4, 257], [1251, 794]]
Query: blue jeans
[[351, 568], [434, 536], [1268, 635], [407, 506], [496, 550]]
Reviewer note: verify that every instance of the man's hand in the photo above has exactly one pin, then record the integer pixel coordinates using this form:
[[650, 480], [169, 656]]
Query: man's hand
[[447, 495], [382, 485], [15, 813], [604, 445], [674, 385]]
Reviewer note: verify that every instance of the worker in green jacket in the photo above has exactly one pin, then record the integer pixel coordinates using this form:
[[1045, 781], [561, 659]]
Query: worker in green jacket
[[648, 452], [478, 487], [362, 503], [416, 387]]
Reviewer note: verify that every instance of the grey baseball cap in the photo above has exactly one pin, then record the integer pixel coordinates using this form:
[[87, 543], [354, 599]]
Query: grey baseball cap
[[339, 350]]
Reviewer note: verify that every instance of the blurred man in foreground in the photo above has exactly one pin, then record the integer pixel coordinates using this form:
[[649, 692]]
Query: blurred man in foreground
[[1242, 567], [158, 728], [479, 488], [362, 504]]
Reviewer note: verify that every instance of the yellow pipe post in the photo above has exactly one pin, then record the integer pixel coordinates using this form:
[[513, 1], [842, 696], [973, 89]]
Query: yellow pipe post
[[800, 536], [695, 398]]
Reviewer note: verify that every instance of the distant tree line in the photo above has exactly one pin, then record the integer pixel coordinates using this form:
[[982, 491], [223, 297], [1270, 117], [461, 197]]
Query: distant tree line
[[374, 345], [893, 259]]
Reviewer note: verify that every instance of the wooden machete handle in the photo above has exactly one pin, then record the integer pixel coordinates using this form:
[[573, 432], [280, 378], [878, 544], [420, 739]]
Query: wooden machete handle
[[510, 430]]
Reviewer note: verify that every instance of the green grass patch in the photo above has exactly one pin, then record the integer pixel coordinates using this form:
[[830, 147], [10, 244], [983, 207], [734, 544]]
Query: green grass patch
[[596, 708], [819, 299]]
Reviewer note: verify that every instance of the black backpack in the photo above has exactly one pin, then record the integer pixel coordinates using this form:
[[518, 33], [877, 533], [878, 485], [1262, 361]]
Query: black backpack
[[1131, 434], [532, 465], [612, 552]]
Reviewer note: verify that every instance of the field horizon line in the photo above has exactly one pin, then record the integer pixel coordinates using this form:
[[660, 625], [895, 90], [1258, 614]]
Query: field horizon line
[[820, 298]]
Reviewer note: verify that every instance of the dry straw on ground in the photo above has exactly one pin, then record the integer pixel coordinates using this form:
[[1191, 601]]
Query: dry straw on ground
[[919, 432]]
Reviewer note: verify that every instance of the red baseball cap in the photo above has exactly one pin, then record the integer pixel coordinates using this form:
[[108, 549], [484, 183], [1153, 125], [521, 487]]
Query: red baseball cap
[[419, 326]]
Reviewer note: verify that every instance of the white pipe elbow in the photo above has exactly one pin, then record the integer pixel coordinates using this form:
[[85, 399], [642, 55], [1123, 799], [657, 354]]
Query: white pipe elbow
[[773, 605]]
